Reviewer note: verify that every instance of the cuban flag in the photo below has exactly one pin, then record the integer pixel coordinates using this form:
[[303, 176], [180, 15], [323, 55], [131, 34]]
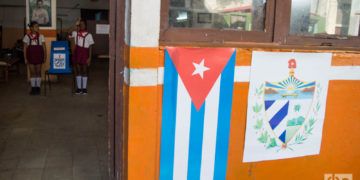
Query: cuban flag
[[196, 110]]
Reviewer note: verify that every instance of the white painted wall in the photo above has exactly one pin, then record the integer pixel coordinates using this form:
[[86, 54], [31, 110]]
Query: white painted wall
[[68, 16], [66, 10], [12, 2], [332, 7], [127, 22], [354, 18], [12, 17], [145, 23], [85, 4]]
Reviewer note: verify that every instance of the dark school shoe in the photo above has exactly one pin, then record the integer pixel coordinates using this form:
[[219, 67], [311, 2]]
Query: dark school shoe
[[32, 91], [78, 91], [38, 90], [84, 91]]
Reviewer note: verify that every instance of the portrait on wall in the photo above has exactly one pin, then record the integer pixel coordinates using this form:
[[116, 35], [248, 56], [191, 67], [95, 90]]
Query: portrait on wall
[[41, 12]]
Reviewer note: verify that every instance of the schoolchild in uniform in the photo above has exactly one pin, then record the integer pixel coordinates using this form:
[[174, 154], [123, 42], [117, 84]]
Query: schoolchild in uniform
[[81, 57], [35, 56]]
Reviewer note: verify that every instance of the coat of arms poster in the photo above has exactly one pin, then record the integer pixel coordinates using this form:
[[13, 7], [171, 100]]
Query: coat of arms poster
[[286, 108]]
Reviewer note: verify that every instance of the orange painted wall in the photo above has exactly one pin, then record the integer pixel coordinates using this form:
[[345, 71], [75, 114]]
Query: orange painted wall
[[340, 150]]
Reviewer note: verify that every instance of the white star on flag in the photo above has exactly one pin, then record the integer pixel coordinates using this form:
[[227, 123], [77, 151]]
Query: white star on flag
[[200, 69]]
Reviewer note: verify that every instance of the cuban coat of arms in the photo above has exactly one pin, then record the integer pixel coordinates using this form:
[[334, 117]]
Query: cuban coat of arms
[[285, 116]]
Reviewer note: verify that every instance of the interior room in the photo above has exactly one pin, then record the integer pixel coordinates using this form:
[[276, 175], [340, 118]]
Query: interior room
[[56, 134]]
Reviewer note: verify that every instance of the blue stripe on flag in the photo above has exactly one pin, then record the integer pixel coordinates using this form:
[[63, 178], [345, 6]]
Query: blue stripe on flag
[[268, 104], [196, 141], [168, 120], [279, 116], [224, 116]]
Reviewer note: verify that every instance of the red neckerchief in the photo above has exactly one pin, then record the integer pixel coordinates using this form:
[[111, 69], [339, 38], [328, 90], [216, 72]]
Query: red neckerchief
[[82, 33], [34, 37]]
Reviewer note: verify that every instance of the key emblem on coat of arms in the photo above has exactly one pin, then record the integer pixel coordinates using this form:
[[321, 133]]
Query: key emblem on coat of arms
[[286, 110]]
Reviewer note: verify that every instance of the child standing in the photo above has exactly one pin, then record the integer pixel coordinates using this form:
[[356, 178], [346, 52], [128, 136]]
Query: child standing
[[35, 56], [82, 55]]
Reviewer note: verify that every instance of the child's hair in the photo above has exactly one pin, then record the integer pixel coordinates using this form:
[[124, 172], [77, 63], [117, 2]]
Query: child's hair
[[39, 1], [33, 23]]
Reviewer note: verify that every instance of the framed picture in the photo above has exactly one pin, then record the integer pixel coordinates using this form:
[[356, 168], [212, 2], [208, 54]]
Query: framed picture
[[204, 17], [41, 11]]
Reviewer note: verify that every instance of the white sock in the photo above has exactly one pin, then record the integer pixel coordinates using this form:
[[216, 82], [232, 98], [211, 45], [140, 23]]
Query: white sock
[[38, 82], [84, 82], [33, 82], [78, 82]]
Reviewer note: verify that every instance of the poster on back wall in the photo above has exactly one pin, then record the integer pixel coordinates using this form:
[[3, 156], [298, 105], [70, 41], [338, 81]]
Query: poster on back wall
[[43, 12], [196, 110], [286, 105]]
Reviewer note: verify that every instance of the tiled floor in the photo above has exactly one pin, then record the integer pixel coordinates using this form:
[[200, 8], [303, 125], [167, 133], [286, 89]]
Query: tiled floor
[[57, 137]]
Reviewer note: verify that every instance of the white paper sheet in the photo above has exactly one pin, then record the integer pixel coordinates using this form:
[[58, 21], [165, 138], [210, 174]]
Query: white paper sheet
[[286, 107], [102, 29]]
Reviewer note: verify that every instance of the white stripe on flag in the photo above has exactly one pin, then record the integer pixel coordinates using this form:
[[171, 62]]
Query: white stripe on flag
[[182, 132], [274, 108], [210, 131]]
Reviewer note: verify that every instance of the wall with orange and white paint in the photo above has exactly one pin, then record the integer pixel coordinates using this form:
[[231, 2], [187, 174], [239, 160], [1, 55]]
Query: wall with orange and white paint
[[144, 76], [338, 151]]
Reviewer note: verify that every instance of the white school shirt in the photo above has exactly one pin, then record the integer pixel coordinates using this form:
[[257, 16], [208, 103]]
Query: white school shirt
[[26, 40], [80, 41]]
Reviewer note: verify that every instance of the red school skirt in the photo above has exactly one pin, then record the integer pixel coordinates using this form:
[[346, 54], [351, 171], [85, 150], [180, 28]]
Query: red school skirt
[[35, 54], [80, 56]]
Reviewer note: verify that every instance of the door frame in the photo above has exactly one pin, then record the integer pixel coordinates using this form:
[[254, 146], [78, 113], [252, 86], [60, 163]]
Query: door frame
[[117, 162]]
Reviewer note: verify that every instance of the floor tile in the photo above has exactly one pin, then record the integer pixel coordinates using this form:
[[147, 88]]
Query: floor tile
[[28, 174], [6, 174], [86, 171], [59, 162], [54, 137], [32, 162], [87, 177], [57, 174], [8, 164]]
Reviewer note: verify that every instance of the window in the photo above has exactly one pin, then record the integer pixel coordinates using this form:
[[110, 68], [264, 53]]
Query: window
[[287, 22], [325, 17], [214, 20], [246, 15], [318, 23]]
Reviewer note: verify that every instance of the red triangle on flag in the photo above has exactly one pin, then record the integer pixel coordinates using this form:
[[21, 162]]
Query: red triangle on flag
[[199, 68]]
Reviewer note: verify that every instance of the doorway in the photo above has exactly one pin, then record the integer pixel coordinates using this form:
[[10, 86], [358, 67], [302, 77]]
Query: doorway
[[61, 135]]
